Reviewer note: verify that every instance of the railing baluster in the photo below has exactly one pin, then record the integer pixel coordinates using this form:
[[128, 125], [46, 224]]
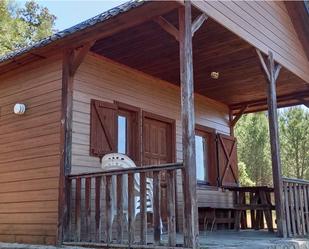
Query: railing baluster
[[156, 208], [88, 208], [296, 196], [287, 207], [306, 207], [98, 181], [293, 216], [143, 208], [108, 211], [301, 203], [120, 208], [69, 233], [131, 208], [78, 209], [171, 201]]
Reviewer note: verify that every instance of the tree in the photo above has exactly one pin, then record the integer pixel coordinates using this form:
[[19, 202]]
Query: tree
[[253, 147], [21, 26], [294, 127], [244, 178]]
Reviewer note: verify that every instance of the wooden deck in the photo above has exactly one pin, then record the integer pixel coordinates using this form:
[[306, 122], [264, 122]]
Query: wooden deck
[[243, 239]]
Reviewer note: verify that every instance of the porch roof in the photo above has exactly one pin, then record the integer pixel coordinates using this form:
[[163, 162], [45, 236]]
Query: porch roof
[[129, 35]]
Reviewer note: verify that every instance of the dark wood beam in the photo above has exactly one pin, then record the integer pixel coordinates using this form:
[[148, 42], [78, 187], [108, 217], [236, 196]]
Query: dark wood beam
[[271, 70], [238, 115], [263, 64], [188, 127], [280, 99], [304, 102], [167, 26], [198, 22], [79, 55], [72, 59]]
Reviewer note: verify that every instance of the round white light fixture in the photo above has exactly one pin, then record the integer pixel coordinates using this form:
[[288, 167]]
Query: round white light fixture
[[214, 75], [19, 109]]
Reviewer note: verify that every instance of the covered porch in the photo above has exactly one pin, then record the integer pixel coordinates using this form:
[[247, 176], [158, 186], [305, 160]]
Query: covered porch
[[219, 65]]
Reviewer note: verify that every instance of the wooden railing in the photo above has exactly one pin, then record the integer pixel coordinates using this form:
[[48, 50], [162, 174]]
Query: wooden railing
[[296, 203], [96, 198]]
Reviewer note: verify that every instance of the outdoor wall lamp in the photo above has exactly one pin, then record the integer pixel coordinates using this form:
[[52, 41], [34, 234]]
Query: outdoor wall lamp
[[214, 75], [19, 109]]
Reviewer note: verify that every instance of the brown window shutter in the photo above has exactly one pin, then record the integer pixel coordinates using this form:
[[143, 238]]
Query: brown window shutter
[[227, 160], [103, 131]]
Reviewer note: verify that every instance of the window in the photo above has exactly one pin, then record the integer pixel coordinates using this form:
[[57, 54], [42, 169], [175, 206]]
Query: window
[[122, 134], [114, 128], [205, 154], [201, 158]]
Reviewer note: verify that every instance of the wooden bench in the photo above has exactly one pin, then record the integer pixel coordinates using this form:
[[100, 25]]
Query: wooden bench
[[214, 201]]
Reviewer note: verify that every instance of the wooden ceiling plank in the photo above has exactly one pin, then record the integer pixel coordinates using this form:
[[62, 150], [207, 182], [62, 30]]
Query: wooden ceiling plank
[[167, 26]]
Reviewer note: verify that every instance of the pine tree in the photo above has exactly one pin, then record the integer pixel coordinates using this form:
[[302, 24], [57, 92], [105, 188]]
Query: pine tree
[[21, 26]]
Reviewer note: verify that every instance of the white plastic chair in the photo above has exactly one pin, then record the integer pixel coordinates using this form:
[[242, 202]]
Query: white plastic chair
[[120, 161]]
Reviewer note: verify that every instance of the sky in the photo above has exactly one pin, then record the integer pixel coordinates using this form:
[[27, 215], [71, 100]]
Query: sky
[[72, 12]]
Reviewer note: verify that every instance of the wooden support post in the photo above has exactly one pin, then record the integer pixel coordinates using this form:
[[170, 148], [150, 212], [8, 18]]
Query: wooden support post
[[72, 58], [63, 204], [188, 127], [272, 70], [230, 122]]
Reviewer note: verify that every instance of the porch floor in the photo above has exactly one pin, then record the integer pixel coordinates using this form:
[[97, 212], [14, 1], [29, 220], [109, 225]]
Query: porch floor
[[244, 239], [249, 239]]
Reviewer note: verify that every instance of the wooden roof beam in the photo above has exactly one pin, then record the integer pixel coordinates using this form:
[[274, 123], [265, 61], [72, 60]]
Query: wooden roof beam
[[167, 26], [305, 102], [198, 22], [238, 115], [79, 55], [282, 98], [173, 31], [265, 67]]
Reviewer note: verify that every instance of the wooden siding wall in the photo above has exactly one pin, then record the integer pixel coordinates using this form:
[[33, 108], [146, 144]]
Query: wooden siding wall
[[265, 25], [101, 79], [29, 153]]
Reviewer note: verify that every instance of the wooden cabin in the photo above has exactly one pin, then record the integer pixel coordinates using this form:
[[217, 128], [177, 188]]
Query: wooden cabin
[[164, 83]]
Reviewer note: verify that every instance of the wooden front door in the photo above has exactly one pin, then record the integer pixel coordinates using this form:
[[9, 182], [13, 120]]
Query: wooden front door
[[159, 148]]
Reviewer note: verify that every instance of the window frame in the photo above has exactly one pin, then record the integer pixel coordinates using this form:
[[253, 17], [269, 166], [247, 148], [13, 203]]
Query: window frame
[[133, 125], [210, 136], [133, 142]]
